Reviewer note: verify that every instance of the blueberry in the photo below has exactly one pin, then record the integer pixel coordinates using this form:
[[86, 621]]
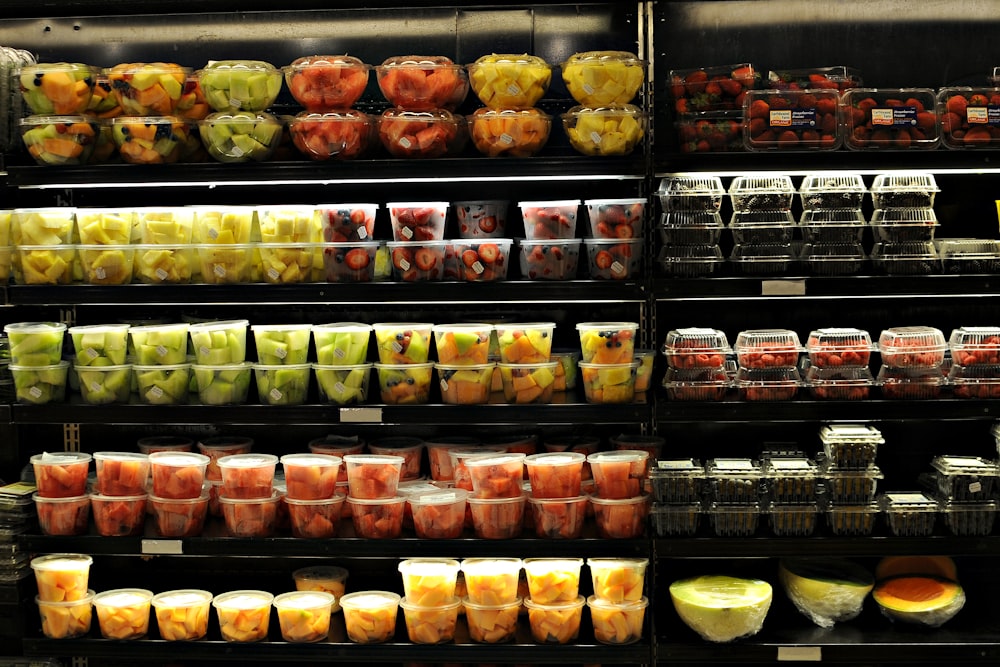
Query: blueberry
[[339, 258], [121, 85], [399, 336], [105, 85], [410, 381], [38, 81], [447, 375], [163, 131]]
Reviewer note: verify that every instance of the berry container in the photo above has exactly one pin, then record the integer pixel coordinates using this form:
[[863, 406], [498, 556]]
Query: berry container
[[832, 190], [761, 192], [833, 225], [912, 347], [691, 227], [691, 193], [909, 514], [903, 190]]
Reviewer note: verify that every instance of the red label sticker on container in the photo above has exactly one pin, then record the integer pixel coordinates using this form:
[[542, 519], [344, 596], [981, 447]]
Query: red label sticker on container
[[894, 116]]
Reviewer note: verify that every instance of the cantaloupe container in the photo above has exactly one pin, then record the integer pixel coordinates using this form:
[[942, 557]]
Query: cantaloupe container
[[244, 615], [182, 614]]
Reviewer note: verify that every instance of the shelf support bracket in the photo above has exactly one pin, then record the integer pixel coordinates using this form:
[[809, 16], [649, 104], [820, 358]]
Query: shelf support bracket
[[71, 438]]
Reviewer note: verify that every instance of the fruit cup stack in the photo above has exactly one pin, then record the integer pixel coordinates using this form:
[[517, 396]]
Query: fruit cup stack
[[762, 225], [690, 225], [239, 130], [179, 498], [526, 371], [480, 254], [341, 368], [430, 606], [550, 249], [282, 371], [36, 362], [558, 504], [418, 251], [223, 235], [966, 490], [314, 507], [904, 223], [603, 83], [349, 251], [327, 87], [163, 250], [708, 102], [832, 223], [678, 487], [791, 484], [161, 368], [221, 370], [248, 498], [617, 607], [912, 362], [768, 364], [848, 474], [289, 245], [404, 372], [509, 85], [119, 503], [975, 356], [496, 501], [464, 369], [555, 605], [424, 91], [620, 504], [838, 367], [608, 366], [696, 364], [65, 603], [373, 483], [42, 241], [734, 496], [61, 499], [100, 362], [614, 249]]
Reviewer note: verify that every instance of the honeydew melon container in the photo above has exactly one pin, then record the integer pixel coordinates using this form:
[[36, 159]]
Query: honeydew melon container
[[223, 384], [220, 342], [160, 343], [286, 384], [35, 343], [279, 344], [240, 85], [100, 344]]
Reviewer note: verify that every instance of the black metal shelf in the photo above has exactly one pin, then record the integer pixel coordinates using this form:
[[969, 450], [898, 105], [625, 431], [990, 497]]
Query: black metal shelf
[[841, 287], [570, 291], [778, 547]]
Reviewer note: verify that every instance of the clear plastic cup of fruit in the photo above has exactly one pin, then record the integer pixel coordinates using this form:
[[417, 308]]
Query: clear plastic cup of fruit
[[99, 344], [422, 83], [377, 519], [525, 342], [429, 582], [60, 88], [616, 218], [617, 623], [148, 89], [557, 623], [614, 259], [481, 218], [164, 225], [244, 615], [403, 342], [644, 372], [224, 225], [431, 624], [37, 385], [117, 516], [222, 384], [288, 224], [178, 474], [180, 517], [465, 385], [251, 517], [458, 456], [286, 384], [549, 259], [151, 139], [106, 264], [342, 343], [121, 473], [62, 577], [421, 261], [405, 384], [42, 226], [60, 140], [463, 343], [344, 134], [554, 219], [514, 133], [162, 384], [285, 263], [497, 475], [61, 474], [614, 129], [233, 85], [160, 343], [618, 580], [304, 616], [247, 475], [343, 385], [558, 518], [421, 134], [497, 518], [281, 343], [555, 475], [35, 343], [607, 342], [324, 82], [370, 616], [410, 448], [163, 264], [603, 77], [621, 518], [528, 383], [240, 136], [509, 81], [310, 476], [46, 264], [553, 580], [372, 476], [182, 614], [652, 444], [340, 223], [123, 613], [66, 619], [438, 458], [438, 515], [62, 516], [164, 443], [327, 578], [219, 342], [619, 474], [315, 519], [482, 260], [105, 226], [350, 261], [219, 446], [491, 581], [491, 623]]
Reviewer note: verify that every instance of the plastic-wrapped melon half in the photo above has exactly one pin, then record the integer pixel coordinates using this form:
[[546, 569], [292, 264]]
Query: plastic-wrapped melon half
[[722, 608], [922, 590], [826, 590]]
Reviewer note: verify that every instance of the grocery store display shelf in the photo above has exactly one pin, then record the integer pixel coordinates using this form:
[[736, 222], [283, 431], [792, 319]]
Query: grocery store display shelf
[[376, 171], [855, 287], [874, 410], [579, 291], [565, 409], [851, 546]]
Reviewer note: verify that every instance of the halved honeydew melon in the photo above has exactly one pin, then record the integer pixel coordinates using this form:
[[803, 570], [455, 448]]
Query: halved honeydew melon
[[826, 590], [722, 608]]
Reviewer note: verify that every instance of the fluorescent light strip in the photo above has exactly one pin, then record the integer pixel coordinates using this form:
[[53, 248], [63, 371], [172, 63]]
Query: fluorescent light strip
[[805, 172]]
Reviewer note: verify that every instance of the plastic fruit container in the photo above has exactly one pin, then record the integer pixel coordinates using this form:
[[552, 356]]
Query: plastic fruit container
[[342, 343], [240, 136], [160, 343], [179, 517], [517, 133], [178, 474], [402, 384], [45, 265], [852, 520], [403, 342], [765, 192], [422, 83], [762, 227], [251, 517], [497, 518], [459, 455], [599, 78], [691, 193], [463, 344], [972, 346], [67, 515], [350, 261], [969, 519], [697, 384], [278, 344], [849, 383], [438, 455], [285, 384], [651, 444], [911, 382], [482, 260], [244, 615], [410, 449], [618, 580], [286, 263], [903, 190], [310, 476], [525, 342], [343, 385], [429, 582], [225, 225], [965, 478], [61, 474], [496, 476], [566, 371], [315, 519], [225, 264], [528, 383], [123, 613], [62, 577], [910, 258], [219, 446], [491, 581], [964, 116], [558, 518], [836, 77], [619, 474], [66, 619], [370, 616], [164, 225], [99, 345], [148, 89], [890, 119], [328, 578], [162, 384], [839, 347], [767, 348], [418, 221], [104, 226], [121, 473], [481, 219], [151, 139], [116, 516], [614, 259], [438, 515], [492, 623], [556, 623], [106, 264], [555, 474], [35, 343], [61, 88], [247, 475], [341, 223], [974, 381], [791, 120], [373, 476], [693, 347], [622, 518], [553, 580], [965, 256], [288, 224], [554, 219], [304, 616], [509, 81], [834, 259], [691, 93], [235, 85], [377, 519], [182, 614], [904, 225], [219, 342], [734, 520], [912, 346], [613, 129], [615, 218], [608, 383], [322, 83], [617, 623], [828, 226], [549, 259], [414, 261], [607, 342], [832, 190], [420, 134], [46, 226], [768, 384]]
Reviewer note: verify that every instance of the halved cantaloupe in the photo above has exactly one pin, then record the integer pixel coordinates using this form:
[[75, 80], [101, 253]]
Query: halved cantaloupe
[[923, 600], [826, 590], [722, 608], [942, 567]]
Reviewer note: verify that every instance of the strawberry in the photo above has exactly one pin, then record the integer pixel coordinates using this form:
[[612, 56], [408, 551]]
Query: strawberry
[[950, 122], [357, 259], [682, 105], [826, 105], [978, 100], [828, 123], [603, 260], [731, 87], [881, 137], [827, 140], [978, 136], [807, 101], [713, 89], [489, 252], [677, 86], [957, 104], [745, 75], [903, 139], [425, 258], [470, 257], [695, 81], [402, 258], [788, 137], [624, 231], [810, 137], [759, 109], [488, 224], [925, 120], [867, 104]]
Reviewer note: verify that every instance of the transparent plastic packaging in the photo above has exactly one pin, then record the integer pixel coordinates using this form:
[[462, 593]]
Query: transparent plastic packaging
[[977, 381], [833, 190], [762, 227], [734, 480], [839, 347], [691, 261], [852, 520], [676, 520], [791, 481], [904, 190], [697, 384], [912, 347], [850, 487], [791, 120], [965, 478], [968, 256], [688, 86], [834, 259], [680, 481], [911, 382], [767, 348], [851, 446], [793, 520], [846, 383], [694, 347], [734, 520], [691, 227], [890, 119], [764, 259], [762, 192], [969, 519], [909, 514], [904, 225], [691, 193], [833, 225]]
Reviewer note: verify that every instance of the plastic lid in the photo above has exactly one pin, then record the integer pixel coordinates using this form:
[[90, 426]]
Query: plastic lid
[[608, 110], [833, 216], [602, 57], [677, 467], [905, 216], [756, 219], [184, 597], [760, 340], [832, 182], [696, 339], [511, 58], [908, 182], [688, 186], [326, 61], [839, 338], [733, 467], [843, 433], [790, 467], [965, 465], [907, 501], [772, 183]]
